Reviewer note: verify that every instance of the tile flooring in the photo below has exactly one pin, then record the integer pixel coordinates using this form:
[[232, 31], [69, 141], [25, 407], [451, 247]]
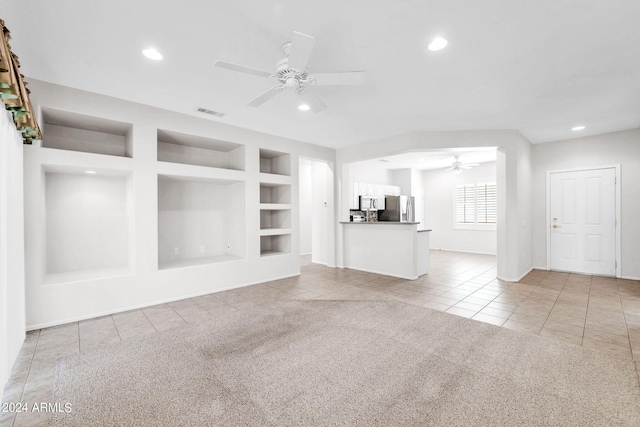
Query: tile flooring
[[595, 312]]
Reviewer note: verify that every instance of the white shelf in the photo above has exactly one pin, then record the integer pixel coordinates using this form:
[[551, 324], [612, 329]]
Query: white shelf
[[275, 244], [67, 131], [200, 172], [200, 220], [275, 162], [272, 253], [268, 178], [175, 147], [89, 274], [78, 161], [274, 206], [274, 231], [198, 261]]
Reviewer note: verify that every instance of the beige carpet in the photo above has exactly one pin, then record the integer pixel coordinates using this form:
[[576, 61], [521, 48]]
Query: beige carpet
[[319, 363]]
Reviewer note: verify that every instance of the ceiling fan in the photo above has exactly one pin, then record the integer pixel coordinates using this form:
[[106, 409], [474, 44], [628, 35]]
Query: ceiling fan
[[291, 72], [457, 166]]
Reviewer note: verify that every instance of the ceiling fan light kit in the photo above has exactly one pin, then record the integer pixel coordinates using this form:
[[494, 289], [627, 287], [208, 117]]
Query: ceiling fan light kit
[[291, 73]]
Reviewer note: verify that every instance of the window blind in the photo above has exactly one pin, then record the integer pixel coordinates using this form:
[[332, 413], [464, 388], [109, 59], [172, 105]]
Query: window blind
[[476, 203]]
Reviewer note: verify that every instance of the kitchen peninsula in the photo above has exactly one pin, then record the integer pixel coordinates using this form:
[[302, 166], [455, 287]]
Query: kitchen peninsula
[[395, 249]]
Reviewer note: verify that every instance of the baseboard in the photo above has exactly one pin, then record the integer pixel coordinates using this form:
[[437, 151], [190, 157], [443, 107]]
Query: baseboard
[[306, 253], [382, 273], [540, 268], [516, 280], [630, 278], [149, 304], [463, 252]]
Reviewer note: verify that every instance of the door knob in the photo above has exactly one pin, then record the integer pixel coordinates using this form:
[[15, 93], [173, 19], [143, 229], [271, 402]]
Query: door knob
[[557, 226]]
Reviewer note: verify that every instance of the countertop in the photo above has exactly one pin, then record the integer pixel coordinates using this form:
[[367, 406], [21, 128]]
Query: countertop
[[379, 222]]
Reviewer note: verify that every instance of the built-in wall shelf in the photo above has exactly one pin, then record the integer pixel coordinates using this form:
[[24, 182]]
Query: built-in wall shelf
[[176, 147], [275, 193], [275, 162], [201, 172], [85, 275], [77, 161], [181, 263], [274, 206], [268, 178], [275, 219], [76, 132], [274, 231], [275, 245], [88, 222], [200, 221]]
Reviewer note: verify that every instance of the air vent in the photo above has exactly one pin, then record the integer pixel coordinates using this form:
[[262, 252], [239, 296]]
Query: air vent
[[211, 112]]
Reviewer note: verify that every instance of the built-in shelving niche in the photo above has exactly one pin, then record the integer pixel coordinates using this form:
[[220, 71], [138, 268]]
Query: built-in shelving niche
[[194, 150], [88, 220], [76, 132], [275, 245], [275, 193], [275, 162], [200, 221]]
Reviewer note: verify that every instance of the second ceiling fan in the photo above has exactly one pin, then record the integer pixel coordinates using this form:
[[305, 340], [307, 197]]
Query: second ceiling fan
[[291, 72], [457, 166]]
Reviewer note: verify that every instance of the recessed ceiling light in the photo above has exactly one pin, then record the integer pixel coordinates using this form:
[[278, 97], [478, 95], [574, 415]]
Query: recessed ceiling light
[[303, 107], [437, 44], [577, 128], [89, 171], [151, 53]]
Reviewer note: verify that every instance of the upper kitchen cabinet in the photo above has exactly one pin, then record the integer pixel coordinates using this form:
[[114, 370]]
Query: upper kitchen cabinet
[[195, 150], [275, 162], [76, 132]]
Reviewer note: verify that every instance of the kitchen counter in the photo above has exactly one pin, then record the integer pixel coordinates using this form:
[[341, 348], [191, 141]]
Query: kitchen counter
[[379, 222], [396, 249]]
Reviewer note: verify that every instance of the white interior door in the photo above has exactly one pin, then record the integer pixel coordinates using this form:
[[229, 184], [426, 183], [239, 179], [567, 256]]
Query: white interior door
[[582, 221]]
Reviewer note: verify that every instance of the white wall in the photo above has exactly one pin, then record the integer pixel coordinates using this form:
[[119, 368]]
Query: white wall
[[12, 284], [370, 174], [305, 206], [514, 254], [403, 179], [439, 210], [621, 148], [145, 284]]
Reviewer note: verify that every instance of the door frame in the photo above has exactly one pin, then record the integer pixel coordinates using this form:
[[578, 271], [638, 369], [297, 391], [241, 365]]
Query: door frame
[[617, 226]]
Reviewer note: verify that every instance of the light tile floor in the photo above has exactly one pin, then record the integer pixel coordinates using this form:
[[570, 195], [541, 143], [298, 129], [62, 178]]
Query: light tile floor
[[595, 312]]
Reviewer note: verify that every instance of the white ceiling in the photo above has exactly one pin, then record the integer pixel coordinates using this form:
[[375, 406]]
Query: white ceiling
[[541, 66], [433, 159]]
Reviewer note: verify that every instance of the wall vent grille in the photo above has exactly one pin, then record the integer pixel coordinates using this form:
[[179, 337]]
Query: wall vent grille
[[211, 112]]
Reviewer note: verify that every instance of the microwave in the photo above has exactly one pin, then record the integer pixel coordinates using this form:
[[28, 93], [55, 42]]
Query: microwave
[[368, 203]]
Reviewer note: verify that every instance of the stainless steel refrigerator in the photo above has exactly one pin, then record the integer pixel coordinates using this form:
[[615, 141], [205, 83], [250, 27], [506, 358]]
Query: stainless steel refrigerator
[[398, 209]]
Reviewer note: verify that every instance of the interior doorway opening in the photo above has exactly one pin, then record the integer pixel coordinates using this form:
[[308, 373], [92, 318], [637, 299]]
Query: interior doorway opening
[[315, 201]]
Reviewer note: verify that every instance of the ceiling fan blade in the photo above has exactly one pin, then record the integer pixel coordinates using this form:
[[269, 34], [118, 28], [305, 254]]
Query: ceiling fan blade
[[336, 79], [312, 100], [472, 164], [464, 167], [242, 69], [265, 96], [301, 47], [450, 168]]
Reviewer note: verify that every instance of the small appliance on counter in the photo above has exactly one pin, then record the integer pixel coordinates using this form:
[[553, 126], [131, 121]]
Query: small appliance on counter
[[368, 203], [398, 209]]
